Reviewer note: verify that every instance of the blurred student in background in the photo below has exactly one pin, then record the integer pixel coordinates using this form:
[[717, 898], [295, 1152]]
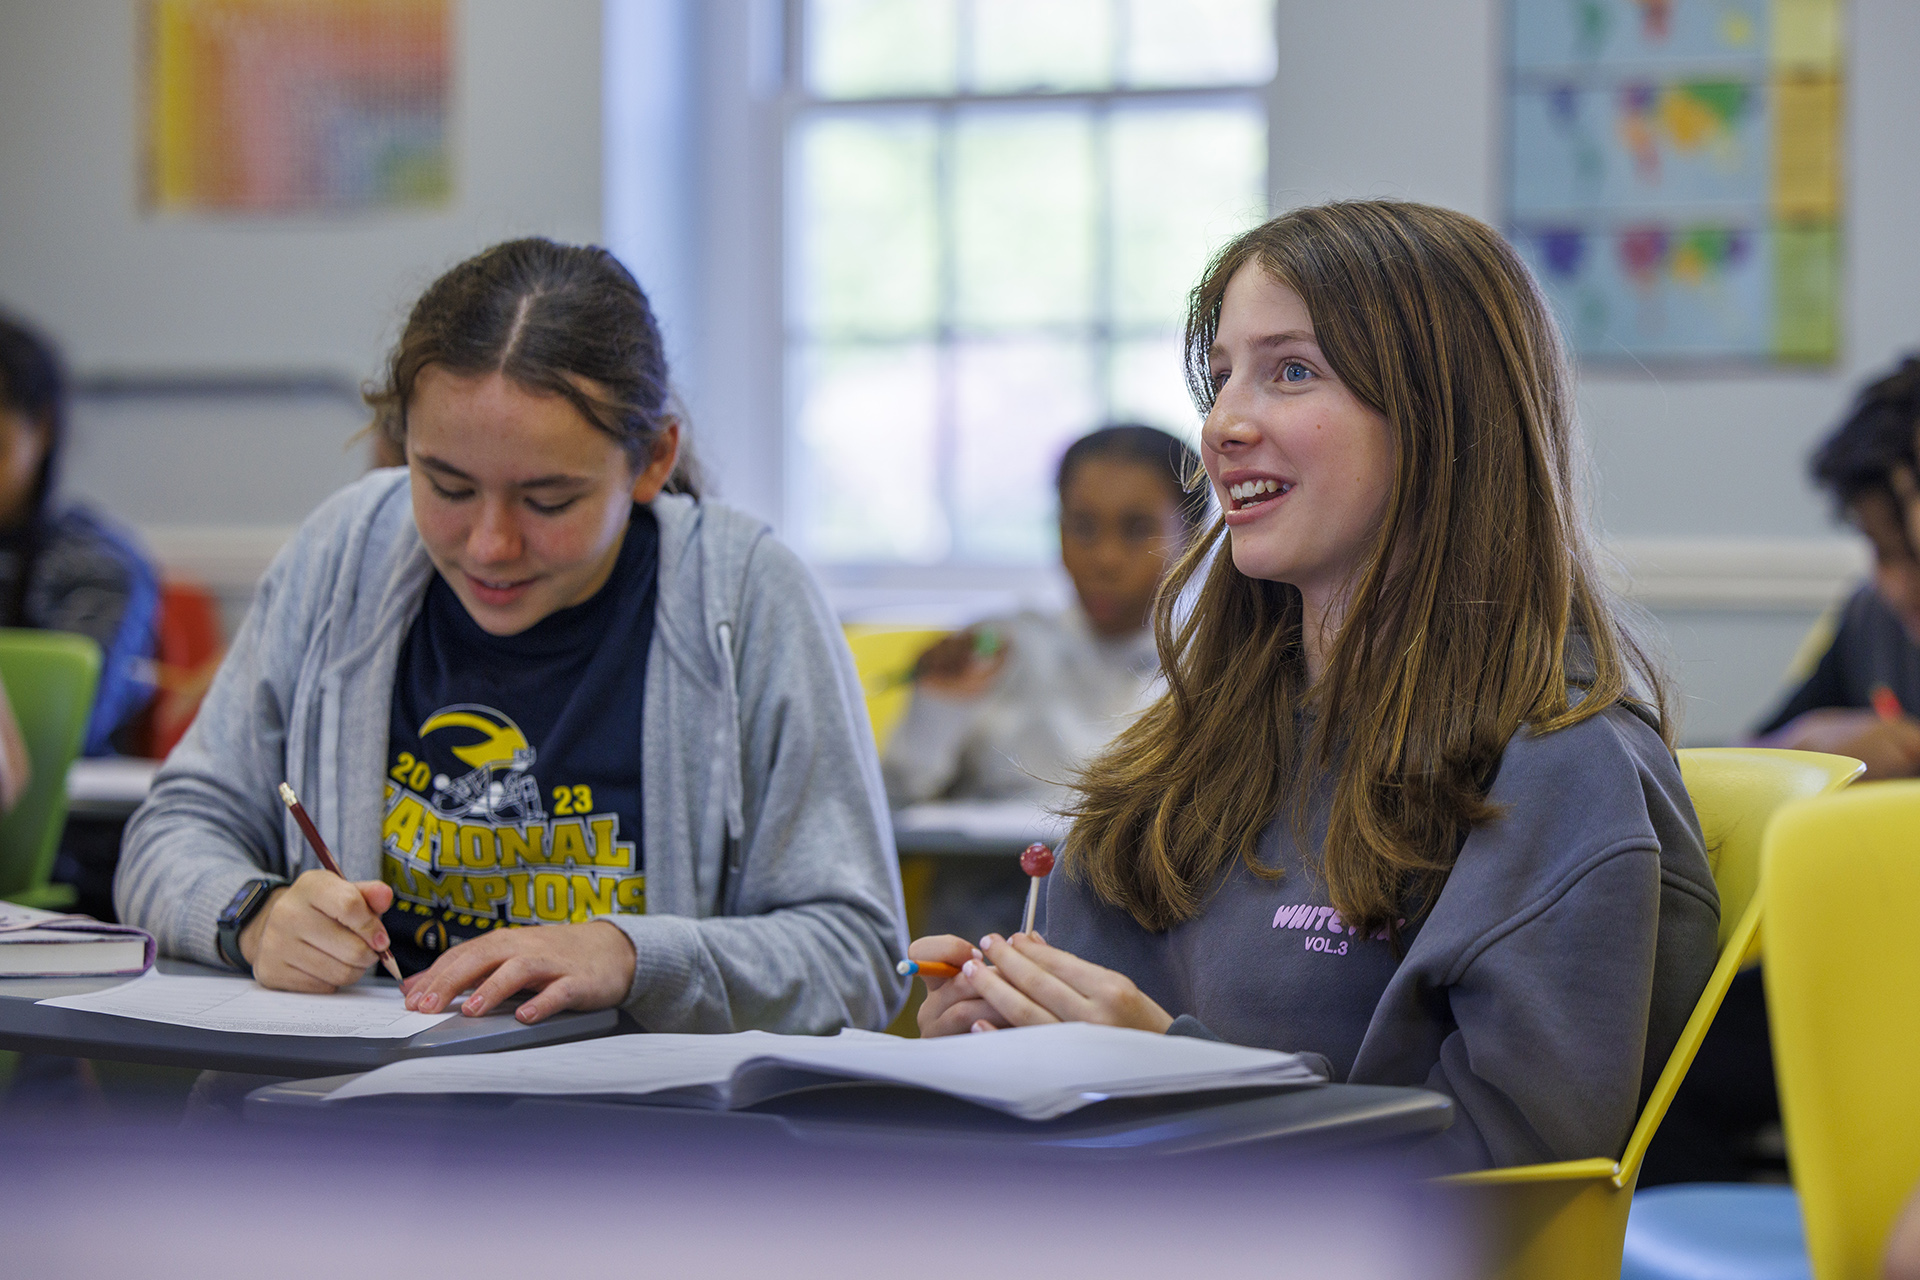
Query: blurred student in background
[[1867, 465], [1013, 706], [1718, 1128], [67, 568]]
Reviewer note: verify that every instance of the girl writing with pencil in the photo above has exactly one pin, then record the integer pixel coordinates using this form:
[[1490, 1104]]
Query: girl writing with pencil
[[534, 679], [1408, 801]]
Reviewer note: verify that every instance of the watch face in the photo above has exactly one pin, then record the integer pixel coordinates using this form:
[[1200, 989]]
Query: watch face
[[242, 900]]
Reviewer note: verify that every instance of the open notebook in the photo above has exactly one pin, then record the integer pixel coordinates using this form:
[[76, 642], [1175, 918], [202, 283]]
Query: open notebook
[[46, 944], [1036, 1073]]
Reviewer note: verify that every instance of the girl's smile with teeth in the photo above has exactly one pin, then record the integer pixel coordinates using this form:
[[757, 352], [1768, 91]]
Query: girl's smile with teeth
[[1251, 493]]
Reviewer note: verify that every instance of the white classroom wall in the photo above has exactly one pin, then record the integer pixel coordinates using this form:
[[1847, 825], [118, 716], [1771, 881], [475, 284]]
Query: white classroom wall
[[217, 481], [1700, 479]]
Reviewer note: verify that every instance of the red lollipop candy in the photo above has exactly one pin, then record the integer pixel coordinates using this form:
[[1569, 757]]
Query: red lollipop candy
[[1037, 860]]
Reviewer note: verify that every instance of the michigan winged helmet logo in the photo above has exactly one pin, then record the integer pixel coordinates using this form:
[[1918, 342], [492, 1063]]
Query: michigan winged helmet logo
[[498, 788]]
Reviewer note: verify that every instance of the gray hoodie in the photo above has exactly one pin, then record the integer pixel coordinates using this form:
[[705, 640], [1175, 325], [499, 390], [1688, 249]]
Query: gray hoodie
[[773, 892], [1543, 992]]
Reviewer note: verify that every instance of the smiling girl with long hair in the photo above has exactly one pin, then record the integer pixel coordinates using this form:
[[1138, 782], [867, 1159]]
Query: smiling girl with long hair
[[1409, 800]]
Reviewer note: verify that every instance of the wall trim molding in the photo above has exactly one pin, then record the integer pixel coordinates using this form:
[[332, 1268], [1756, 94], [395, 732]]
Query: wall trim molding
[[1717, 574], [1739, 574]]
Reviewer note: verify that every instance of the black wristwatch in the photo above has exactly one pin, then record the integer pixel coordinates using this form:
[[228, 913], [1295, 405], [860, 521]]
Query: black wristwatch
[[238, 913]]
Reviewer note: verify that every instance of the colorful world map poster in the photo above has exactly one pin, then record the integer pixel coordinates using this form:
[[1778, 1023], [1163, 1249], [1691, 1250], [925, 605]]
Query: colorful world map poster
[[290, 106], [1673, 174]]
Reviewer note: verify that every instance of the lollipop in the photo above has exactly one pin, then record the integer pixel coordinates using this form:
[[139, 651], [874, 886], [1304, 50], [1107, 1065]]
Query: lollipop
[[1036, 861]]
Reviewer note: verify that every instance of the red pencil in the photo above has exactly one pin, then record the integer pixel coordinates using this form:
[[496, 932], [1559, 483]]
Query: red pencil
[[326, 857]]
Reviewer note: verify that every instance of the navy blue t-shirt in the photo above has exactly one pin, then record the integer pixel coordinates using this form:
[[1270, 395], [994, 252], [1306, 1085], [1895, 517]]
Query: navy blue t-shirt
[[513, 777]]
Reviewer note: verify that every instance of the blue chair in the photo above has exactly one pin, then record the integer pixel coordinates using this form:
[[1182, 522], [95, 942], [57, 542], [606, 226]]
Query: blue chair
[[1715, 1231], [1839, 878]]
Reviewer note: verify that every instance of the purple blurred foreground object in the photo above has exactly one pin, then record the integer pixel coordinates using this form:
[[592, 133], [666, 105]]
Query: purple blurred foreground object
[[501, 1200]]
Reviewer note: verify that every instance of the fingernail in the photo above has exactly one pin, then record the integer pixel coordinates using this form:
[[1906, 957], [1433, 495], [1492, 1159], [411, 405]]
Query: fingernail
[[966, 970], [980, 1026], [380, 942], [429, 1002], [986, 943], [524, 1013], [472, 1006]]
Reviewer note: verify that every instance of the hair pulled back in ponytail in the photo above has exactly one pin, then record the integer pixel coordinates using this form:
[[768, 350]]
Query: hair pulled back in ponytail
[[567, 320]]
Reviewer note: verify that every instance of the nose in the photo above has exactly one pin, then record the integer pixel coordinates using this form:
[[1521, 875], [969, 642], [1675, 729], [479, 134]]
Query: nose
[[495, 535], [1227, 427]]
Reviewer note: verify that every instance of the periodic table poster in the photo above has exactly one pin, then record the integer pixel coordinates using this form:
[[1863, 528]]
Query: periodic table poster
[[1673, 174]]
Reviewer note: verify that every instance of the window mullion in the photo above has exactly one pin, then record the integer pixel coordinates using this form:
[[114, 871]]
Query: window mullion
[[946, 419]]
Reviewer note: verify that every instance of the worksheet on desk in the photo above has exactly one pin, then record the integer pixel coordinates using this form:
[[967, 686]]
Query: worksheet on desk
[[216, 1003]]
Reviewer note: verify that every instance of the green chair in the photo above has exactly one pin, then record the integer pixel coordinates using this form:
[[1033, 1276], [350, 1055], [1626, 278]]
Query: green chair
[[50, 678]]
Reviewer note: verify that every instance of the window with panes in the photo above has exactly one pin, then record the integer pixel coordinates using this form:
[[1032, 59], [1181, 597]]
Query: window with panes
[[995, 210]]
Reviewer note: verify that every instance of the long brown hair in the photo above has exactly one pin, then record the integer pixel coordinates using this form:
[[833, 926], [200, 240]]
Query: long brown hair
[[1478, 605], [567, 320]]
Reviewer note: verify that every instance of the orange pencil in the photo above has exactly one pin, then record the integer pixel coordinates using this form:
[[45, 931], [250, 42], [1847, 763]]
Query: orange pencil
[[926, 969], [326, 856], [1885, 704]]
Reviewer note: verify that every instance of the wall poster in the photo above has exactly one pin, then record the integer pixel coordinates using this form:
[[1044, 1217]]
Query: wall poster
[[1673, 174], [296, 106]]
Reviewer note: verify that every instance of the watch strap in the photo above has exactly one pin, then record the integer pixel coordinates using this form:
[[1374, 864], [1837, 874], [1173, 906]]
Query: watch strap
[[239, 912]]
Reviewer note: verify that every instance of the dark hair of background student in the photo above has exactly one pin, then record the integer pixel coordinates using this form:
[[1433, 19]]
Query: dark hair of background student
[[1162, 452], [1478, 605], [33, 384], [1859, 458], [566, 320]]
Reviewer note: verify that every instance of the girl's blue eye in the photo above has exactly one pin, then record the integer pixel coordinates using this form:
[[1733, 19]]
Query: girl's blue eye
[[1291, 368]]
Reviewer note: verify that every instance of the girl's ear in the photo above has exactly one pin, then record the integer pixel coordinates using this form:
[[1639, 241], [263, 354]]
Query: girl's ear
[[666, 451]]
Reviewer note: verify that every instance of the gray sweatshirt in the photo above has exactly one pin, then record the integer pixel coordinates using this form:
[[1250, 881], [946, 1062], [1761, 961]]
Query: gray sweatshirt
[[773, 891], [1543, 993]]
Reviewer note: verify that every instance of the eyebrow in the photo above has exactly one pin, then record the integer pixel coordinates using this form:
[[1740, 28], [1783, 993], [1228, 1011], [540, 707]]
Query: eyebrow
[[432, 463], [1280, 339]]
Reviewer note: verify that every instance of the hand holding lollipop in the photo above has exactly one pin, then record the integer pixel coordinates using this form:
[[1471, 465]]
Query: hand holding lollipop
[[1037, 861]]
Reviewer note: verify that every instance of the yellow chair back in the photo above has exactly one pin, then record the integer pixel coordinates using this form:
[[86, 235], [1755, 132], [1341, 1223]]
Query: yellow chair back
[[50, 678], [884, 657], [1568, 1220], [1843, 999]]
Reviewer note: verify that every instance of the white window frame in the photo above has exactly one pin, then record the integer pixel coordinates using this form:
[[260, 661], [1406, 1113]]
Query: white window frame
[[716, 238]]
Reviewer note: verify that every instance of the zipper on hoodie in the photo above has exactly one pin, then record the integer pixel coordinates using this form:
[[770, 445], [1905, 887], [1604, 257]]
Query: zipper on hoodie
[[733, 849]]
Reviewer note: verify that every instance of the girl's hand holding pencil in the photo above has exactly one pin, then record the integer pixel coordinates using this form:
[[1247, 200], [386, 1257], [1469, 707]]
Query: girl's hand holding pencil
[[1022, 981], [952, 1004], [320, 933]]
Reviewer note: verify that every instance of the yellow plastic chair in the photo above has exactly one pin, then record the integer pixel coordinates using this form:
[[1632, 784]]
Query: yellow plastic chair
[[50, 678], [1567, 1220], [884, 658], [1841, 877]]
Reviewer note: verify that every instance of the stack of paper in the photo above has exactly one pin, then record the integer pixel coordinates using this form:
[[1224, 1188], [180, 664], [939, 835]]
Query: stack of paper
[[215, 1003], [1036, 1073]]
